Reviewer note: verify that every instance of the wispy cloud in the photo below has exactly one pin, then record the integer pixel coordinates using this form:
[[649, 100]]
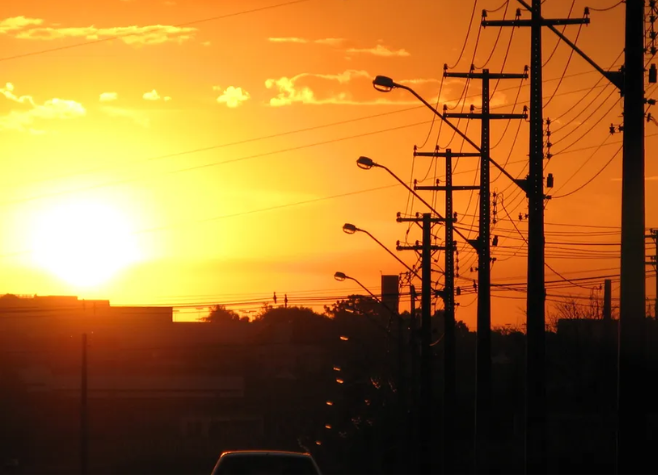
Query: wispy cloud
[[379, 50], [232, 96], [138, 117], [295, 39], [108, 96], [154, 96], [17, 23], [131, 35], [29, 111], [351, 87]]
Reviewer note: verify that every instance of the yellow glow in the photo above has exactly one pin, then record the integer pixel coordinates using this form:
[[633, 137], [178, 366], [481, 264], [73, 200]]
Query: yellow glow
[[83, 243]]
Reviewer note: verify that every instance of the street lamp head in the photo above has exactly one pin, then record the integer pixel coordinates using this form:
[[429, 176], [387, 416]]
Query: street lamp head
[[340, 276], [365, 163], [383, 84], [349, 228]]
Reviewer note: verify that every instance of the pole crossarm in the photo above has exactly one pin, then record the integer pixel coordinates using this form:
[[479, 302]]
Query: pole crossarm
[[444, 188], [445, 154], [544, 22], [459, 132], [474, 75], [615, 77], [418, 247], [400, 219], [473, 115]]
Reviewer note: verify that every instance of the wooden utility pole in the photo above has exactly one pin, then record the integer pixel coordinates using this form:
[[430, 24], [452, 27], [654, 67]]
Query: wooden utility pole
[[482, 245], [631, 436], [84, 427], [653, 233], [607, 300], [535, 417], [426, 413]]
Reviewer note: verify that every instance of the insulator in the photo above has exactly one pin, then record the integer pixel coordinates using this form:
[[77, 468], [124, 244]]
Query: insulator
[[495, 241], [653, 74], [612, 129], [549, 181]]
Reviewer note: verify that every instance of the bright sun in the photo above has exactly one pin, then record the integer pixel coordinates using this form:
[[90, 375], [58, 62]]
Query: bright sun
[[83, 243]]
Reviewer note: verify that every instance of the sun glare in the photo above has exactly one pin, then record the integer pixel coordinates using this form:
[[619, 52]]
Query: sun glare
[[84, 244]]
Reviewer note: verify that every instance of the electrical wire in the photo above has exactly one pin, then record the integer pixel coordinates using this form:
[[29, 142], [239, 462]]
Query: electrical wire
[[591, 179], [188, 23], [468, 32]]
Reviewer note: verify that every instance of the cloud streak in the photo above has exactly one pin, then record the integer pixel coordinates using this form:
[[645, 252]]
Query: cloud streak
[[29, 111], [32, 29], [154, 96], [379, 50], [17, 23], [108, 97], [321, 41], [350, 87]]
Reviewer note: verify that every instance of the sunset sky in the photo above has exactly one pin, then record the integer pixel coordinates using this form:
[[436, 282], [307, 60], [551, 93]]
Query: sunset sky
[[191, 152]]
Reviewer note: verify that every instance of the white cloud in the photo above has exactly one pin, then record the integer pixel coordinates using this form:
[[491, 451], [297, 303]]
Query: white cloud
[[379, 50], [330, 41], [137, 117], [151, 96], [109, 96], [321, 41], [18, 23], [351, 87], [290, 92], [289, 39], [29, 111], [131, 35], [232, 96]]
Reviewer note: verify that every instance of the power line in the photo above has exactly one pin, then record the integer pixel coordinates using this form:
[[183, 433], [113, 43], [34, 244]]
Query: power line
[[188, 23]]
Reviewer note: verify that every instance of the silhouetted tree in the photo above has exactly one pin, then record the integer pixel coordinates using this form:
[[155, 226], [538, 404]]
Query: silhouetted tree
[[220, 314]]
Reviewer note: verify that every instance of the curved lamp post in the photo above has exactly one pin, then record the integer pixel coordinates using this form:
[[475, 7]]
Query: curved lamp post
[[367, 163], [386, 84], [352, 229]]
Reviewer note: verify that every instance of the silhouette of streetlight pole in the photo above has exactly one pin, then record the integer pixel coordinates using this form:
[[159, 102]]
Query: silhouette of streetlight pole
[[352, 229]]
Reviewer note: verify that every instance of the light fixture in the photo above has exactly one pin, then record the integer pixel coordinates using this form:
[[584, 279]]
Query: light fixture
[[365, 163], [349, 228], [344, 338], [340, 276], [383, 84]]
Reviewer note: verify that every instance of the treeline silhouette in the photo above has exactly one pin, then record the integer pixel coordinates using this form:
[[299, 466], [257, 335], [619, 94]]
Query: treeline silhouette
[[333, 383]]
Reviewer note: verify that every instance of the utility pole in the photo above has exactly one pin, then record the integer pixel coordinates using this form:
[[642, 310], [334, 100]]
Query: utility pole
[[413, 343], [535, 418], [631, 435], [653, 233], [607, 300], [448, 295], [425, 396], [484, 392], [84, 429]]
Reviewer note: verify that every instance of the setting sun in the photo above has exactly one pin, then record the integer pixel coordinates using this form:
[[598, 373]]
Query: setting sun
[[84, 244]]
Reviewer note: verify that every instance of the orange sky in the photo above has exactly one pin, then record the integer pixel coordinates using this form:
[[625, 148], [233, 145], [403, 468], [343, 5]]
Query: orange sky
[[190, 128]]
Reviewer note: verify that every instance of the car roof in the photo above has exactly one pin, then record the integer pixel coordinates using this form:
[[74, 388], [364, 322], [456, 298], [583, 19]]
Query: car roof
[[266, 452]]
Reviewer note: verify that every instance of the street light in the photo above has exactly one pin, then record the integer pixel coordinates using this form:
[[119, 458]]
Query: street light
[[351, 229], [341, 276], [367, 163], [386, 84]]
